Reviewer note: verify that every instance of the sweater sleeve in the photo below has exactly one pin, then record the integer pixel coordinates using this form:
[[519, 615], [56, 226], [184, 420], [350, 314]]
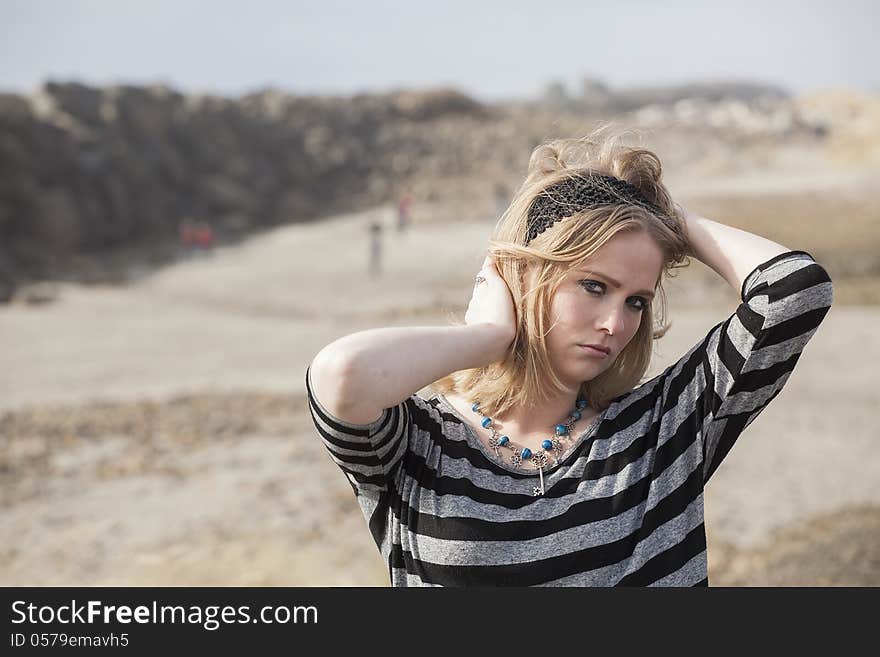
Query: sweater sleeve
[[368, 454], [724, 382]]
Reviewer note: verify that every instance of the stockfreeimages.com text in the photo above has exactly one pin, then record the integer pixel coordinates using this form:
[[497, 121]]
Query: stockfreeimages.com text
[[210, 617]]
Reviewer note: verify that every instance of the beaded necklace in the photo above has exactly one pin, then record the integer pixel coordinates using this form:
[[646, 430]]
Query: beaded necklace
[[551, 447]]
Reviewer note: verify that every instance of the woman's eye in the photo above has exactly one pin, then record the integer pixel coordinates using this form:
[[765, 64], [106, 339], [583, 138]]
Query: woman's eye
[[596, 287]]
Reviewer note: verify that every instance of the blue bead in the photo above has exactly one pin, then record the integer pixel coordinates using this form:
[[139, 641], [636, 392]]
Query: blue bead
[[581, 403], [547, 444], [526, 453], [486, 422], [576, 415], [503, 440], [475, 407], [561, 429]]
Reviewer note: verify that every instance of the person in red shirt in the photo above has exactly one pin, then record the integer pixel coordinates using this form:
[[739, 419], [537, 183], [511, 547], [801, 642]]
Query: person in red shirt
[[403, 213], [204, 236]]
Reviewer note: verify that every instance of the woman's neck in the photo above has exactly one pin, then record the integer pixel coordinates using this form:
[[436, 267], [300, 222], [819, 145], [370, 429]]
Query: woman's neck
[[542, 418], [527, 426]]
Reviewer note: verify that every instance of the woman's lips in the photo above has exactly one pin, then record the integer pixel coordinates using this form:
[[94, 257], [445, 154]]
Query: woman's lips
[[592, 351]]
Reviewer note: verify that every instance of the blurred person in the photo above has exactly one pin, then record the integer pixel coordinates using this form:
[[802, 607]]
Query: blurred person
[[543, 458], [404, 211], [375, 245], [204, 237]]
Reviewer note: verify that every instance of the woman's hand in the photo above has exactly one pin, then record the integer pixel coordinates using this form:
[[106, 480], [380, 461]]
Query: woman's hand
[[492, 302]]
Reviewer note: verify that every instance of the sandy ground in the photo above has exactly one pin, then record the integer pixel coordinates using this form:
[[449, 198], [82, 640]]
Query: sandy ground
[[157, 433]]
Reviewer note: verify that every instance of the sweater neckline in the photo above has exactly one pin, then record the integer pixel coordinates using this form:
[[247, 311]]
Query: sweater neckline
[[474, 440]]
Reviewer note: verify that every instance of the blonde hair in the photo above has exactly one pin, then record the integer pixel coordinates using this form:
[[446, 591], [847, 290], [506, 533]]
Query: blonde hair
[[525, 378]]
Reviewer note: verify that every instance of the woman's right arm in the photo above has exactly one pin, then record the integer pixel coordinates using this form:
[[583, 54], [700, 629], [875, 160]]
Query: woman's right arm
[[360, 375]]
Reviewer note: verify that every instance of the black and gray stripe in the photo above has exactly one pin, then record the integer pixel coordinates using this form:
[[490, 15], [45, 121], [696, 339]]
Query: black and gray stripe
[[625, 507]]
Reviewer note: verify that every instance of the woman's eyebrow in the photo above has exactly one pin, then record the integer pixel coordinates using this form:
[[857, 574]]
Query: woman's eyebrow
[[616, 283]]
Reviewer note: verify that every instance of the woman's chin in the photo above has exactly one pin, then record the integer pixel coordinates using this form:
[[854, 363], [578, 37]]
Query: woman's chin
[[579, 377]]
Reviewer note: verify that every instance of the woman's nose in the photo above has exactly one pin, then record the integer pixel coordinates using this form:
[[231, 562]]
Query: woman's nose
[[613, 321]]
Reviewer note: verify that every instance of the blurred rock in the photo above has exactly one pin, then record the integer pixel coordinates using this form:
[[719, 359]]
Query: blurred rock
[[35, 294], [87, 170]]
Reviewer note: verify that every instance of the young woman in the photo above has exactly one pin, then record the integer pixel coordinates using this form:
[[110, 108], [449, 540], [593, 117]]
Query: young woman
[[542, 459]]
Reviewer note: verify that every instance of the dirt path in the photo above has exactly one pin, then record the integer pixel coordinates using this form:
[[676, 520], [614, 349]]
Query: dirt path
[[158, 433]]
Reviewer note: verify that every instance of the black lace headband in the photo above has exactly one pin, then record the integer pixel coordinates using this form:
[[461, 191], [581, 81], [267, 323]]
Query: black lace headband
[[572, 195]]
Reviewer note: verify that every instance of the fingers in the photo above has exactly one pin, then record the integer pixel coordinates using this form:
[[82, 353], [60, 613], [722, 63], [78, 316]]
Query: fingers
[[488, 265], [485, 266]]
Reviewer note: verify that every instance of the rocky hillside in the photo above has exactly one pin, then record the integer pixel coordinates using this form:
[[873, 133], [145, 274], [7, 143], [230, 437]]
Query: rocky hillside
[[87, 170], [83, 169]]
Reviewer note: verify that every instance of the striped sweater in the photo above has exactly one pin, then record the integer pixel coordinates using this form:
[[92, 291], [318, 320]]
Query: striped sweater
[[624, 507]]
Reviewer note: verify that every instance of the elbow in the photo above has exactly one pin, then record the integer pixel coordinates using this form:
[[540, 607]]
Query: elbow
[[333, 368], [341, 388], [813, 282], [807, 293], [335, 372], [331, 357], [823, 285]]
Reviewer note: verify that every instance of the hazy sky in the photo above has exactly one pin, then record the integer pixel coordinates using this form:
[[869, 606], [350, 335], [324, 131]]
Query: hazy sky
[[491, 49]]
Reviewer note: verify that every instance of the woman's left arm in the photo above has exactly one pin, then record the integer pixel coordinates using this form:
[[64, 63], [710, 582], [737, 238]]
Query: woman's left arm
[[743, 363], [731, 252]]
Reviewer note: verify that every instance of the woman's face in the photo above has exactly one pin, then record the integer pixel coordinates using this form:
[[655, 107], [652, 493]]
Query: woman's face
[[601, 302]]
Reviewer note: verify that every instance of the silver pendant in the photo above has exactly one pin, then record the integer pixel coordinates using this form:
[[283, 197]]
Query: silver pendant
[[541, 460]]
